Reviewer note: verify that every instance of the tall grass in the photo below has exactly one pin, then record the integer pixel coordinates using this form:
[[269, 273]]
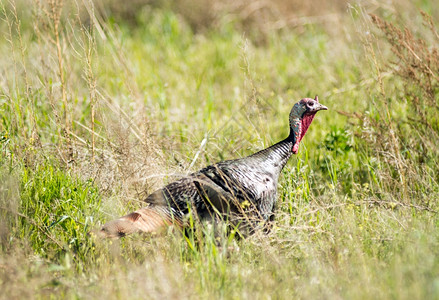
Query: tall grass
[[96, 112]]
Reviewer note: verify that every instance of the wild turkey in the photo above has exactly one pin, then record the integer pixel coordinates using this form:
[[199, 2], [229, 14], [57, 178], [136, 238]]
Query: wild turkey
[[243, 190]]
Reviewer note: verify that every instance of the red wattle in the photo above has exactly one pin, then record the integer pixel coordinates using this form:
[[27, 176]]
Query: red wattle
[[305, 122]]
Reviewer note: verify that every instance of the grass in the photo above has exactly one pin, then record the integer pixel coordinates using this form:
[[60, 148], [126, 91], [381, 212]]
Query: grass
[[96, 112]]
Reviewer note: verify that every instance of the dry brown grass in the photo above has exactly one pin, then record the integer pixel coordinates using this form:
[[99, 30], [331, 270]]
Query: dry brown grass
[[406, 145]]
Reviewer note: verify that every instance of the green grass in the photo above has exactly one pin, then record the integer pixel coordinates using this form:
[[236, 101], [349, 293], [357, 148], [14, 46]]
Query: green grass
[[153, 98]]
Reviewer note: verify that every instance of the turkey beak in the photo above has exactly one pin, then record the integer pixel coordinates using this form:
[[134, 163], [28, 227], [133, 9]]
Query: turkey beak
[[321, 107]]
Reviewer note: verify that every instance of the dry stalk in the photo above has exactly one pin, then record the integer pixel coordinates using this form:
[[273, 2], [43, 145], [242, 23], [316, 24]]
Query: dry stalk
[[55, 16], [429, 21], [396, 204], [89, 49], [45, 69]]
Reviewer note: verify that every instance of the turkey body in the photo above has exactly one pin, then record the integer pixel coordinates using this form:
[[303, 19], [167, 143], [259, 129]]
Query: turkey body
[[229, 186], [242, 191]]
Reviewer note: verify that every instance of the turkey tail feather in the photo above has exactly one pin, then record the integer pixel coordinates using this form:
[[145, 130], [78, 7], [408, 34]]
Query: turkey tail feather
[[149, 219]]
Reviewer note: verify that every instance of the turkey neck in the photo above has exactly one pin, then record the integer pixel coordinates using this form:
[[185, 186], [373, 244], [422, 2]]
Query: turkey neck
[[273, 159]]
